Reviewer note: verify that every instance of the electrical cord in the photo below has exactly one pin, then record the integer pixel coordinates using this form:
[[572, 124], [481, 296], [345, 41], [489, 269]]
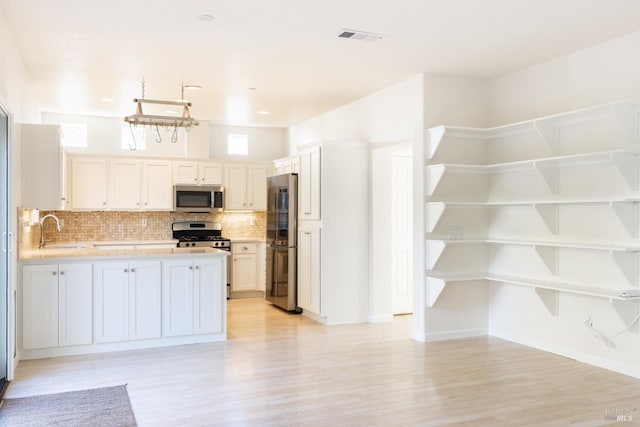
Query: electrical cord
[[608, 340]]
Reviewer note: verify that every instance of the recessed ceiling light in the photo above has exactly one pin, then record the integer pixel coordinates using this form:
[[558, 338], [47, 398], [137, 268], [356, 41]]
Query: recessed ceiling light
[[264, 113], [205, 17], [105, 99], [192, 87]]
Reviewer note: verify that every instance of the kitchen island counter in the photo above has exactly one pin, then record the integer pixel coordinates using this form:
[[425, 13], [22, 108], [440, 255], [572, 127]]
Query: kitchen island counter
[[91, 252]]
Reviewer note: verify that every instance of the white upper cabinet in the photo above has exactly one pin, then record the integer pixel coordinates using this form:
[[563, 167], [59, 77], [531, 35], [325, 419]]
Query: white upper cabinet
[[157, 191], [196, 173], [88, 183], [42, 167], [124, 187], [245, 186], [99, 183]]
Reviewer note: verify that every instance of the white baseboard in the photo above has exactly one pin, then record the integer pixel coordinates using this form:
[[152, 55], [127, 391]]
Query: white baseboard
[[380, 319], [452, 335], [580, 356]]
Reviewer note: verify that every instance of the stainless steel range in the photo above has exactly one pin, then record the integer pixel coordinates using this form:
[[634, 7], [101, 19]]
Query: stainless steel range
[[200, 234]]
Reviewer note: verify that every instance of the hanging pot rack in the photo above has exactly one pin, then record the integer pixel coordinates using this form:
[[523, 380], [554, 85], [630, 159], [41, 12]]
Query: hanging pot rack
[[175, 122]]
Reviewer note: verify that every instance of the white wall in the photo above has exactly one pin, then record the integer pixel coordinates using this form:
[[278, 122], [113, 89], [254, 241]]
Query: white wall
[[391, 115], [208, 140], [595, 75], [599, 74], [461, 310], [18, 100], [264, 143]]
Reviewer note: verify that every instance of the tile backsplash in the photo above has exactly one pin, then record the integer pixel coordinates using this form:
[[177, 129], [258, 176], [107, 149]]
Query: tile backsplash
[[114, 225]]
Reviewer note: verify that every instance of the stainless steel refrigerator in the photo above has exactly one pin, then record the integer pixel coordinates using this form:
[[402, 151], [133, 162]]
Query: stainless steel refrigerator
[[282, 226]]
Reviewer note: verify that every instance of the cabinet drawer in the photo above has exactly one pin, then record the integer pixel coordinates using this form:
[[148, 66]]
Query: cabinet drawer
[[244, 248]]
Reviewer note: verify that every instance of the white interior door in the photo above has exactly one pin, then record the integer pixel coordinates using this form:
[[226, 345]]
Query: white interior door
[[401, 233]]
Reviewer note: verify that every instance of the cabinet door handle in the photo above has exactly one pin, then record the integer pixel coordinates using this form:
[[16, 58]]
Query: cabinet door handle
[[133, 270], [197, 267], [126, 270], [54, 273], [62, 273], [190, 267]]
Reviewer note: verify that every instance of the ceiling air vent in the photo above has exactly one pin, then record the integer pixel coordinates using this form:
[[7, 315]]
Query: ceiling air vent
[[361, 35]]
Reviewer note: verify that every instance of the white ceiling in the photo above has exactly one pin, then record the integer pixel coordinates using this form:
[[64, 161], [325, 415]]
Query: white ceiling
[[78, 51]]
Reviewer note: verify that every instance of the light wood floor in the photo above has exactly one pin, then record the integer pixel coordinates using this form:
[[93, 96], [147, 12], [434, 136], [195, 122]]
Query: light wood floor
[[279, 369]]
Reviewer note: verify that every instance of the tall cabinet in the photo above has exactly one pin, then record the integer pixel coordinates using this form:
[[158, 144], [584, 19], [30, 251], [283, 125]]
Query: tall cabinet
[[333, 231], [550, 204]]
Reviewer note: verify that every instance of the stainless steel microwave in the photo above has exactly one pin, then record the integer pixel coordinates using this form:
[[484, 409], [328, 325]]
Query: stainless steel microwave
[[198, 198]]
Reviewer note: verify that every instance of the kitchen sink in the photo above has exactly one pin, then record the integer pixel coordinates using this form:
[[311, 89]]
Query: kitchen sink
[[67, 246]]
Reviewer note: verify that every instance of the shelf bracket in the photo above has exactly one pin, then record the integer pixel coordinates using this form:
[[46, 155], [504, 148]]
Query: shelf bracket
[[549, 214], [549, 298], [550, 257], [628, 117], [628, 165], [548, 131], [549, 172], [627, 311], [434, 211], [434, 252], [627, 263], [434, 139], [434, 175], [627, 214], [434, 289]]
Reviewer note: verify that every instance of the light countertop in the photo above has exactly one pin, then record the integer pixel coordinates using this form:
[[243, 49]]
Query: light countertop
[[89, 251]]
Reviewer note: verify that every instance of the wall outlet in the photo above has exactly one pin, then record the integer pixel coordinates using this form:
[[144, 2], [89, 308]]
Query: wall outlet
[[454, 232], [143, 222]]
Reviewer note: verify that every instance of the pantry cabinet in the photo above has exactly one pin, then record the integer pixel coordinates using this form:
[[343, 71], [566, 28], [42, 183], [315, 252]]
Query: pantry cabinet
[[56, 305], [309, 269], [245, 186], [192, 294], [333, 232], [309, 183]]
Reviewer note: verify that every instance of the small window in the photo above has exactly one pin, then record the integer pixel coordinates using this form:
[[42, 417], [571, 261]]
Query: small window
[[73, 135], [127, 135], [238, 144]]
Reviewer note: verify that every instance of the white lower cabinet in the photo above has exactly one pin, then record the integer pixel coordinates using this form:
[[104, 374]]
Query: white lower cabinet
[[245, 267], [119, 304], [127, 302], [192, 296], [56, 305], [309, 268]]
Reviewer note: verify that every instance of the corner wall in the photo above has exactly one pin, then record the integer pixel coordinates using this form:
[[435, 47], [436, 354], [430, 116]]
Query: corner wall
[[603, 73]]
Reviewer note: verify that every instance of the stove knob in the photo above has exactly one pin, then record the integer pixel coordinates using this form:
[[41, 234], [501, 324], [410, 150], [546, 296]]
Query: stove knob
[[216, 244]]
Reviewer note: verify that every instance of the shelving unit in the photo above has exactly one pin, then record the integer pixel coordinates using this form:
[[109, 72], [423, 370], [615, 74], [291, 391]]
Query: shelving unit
[[583, 159]]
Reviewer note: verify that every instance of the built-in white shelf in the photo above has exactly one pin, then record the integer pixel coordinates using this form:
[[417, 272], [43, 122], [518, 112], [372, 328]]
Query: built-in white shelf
[[546, 128], [462, 173], [625, 209], [546, 290], [626, 161], [625, 256]]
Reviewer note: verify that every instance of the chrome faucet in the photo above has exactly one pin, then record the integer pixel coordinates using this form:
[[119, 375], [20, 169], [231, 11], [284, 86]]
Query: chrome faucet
[[42, 227]]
